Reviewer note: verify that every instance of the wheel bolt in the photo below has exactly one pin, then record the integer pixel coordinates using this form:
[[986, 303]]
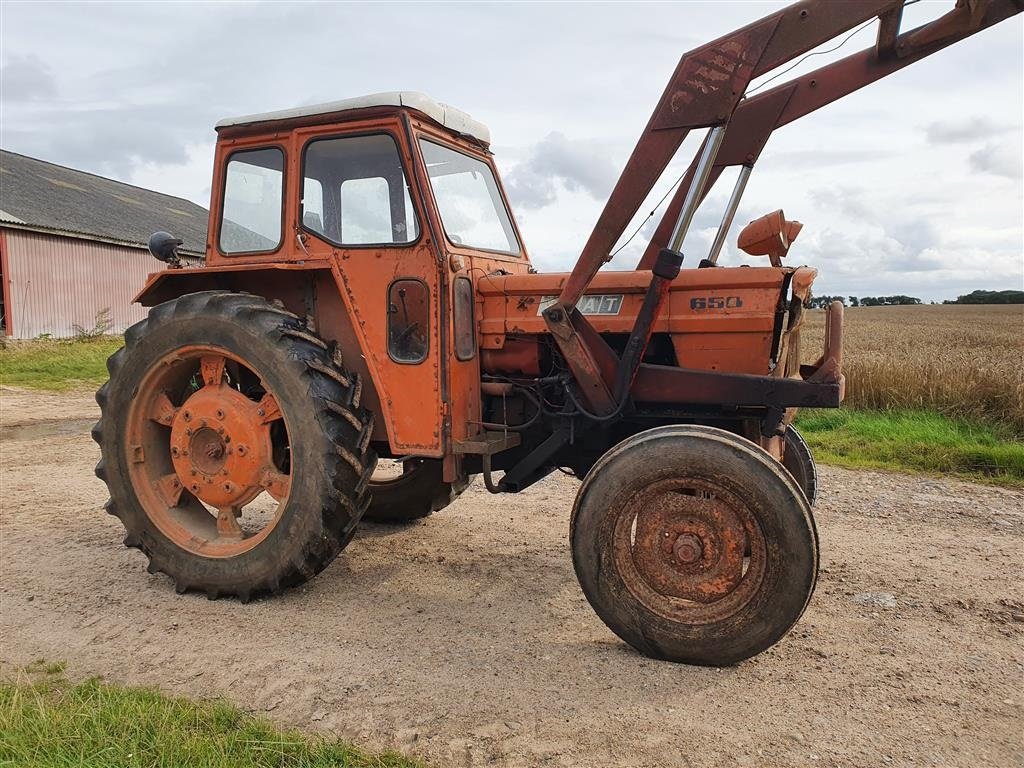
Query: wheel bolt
[[174, 450], [220, 415], [194, 486], [241, 450]]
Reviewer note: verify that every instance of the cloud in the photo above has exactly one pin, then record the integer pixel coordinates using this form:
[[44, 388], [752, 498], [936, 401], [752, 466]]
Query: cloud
[[1002, 158], [963, 131], [821, 158], [27, 78], [556, 162], [849, 201], [106, 139], [876, 237]]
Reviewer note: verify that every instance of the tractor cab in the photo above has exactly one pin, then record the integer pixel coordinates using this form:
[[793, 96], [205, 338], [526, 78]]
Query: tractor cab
[[371, 217], [387, 171]]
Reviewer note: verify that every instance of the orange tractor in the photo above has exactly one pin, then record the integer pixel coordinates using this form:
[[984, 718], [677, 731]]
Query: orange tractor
[[367, 295]]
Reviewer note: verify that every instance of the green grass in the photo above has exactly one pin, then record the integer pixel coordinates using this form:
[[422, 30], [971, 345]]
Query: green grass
[[921, 441], [47, 722], [57, 365]]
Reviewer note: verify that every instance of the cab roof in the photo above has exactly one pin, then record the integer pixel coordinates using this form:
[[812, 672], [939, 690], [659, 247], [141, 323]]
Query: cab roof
[[451, 118]]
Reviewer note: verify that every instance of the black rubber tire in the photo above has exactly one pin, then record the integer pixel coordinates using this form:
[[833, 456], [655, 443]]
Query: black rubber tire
[[329, 435], [413, 495], [741, 468], [799, 461]]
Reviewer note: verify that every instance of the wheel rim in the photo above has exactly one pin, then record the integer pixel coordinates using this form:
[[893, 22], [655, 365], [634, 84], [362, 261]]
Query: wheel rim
[[681, 547], [208, 452]]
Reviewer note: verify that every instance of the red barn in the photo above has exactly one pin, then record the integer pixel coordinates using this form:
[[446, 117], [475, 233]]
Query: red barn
[[73, 245]]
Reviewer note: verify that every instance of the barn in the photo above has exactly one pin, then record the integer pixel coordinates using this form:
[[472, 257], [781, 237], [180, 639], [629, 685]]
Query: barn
[[73, 246]]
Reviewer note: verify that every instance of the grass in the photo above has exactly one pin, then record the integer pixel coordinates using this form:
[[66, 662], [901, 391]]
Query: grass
[[57, 365], [966, 362], [923, 441], [48, 722]]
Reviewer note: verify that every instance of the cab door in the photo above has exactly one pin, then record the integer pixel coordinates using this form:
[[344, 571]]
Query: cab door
[[359, 211]]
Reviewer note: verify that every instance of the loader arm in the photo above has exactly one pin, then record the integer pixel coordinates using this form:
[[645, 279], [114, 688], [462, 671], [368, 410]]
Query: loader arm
[[757, 117], [707, 91]]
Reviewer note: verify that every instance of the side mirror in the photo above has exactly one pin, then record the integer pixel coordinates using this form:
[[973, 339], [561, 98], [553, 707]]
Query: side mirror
[[164, 246], [771, 236]]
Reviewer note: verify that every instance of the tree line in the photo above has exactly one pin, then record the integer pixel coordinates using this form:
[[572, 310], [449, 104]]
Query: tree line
[[821, 302], [974, 297], [989, 297]]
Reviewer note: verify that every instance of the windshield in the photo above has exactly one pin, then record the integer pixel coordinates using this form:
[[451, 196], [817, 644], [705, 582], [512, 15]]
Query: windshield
[[468, 199]]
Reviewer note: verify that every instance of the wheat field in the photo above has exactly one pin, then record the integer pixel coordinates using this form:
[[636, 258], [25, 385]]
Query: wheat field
[[962, 361]]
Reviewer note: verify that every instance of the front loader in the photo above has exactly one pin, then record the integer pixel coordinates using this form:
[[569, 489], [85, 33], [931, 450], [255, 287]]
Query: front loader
[[366, 295]]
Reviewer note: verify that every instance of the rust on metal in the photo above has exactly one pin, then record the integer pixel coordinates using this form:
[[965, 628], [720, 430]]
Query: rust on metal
[[689, 547], [689, 550]]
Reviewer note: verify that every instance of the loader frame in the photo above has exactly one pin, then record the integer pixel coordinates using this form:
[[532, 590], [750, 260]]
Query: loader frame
[[707, 91]]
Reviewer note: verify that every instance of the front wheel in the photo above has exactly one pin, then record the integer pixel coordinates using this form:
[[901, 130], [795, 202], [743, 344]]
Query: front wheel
[[694, 545]]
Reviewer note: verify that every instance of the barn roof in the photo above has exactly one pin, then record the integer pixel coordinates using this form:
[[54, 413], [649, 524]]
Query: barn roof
[[42, 196]]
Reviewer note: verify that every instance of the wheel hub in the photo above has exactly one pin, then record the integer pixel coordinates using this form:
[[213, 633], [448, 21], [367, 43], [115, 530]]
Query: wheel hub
[[220, 446], [689, 547], [207, 451]]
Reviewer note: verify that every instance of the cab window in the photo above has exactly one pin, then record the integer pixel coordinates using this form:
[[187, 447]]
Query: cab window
[[356, 193], [251, 211], [467, 195]]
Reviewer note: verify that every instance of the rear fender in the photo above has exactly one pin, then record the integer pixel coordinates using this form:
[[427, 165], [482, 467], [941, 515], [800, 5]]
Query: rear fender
[[308, 290], [289, 283]]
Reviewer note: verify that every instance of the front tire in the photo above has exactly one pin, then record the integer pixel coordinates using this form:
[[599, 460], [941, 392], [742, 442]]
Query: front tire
[[798, 460], [218, 404], [660, 534]]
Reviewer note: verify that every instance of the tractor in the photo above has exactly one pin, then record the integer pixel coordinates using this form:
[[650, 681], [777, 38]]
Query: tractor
[[366, 297]]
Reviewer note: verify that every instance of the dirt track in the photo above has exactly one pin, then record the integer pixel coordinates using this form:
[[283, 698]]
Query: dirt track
[[466, 640]]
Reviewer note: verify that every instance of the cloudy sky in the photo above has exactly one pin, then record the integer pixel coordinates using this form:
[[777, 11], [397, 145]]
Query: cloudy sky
[[913, 185]]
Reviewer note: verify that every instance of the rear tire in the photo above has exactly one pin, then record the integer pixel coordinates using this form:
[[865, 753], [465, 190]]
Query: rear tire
[[416, 493], [324, 456], [799, 461], [659, 532]]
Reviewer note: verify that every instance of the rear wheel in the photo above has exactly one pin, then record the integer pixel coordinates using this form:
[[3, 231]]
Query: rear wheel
[[233, 445], [404, 490], [694, 545], [797, 459]]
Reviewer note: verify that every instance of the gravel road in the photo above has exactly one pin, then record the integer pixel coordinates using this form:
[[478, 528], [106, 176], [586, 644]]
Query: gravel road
[[466, 641]]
